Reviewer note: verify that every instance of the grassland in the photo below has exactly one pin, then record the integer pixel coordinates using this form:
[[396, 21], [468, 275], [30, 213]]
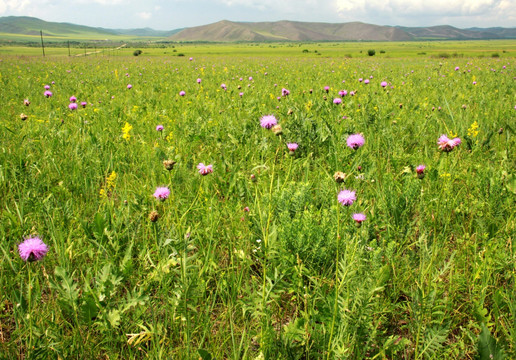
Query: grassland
[[259, 259]]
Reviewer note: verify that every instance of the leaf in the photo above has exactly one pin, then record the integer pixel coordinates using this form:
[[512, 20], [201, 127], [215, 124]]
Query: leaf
[[114, 318], [205, 355], [488, 349]]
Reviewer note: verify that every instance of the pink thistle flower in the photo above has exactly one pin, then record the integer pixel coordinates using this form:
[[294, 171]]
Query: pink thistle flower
[[383, 83], [48, 94], [268, 121], [241, 94], [26, 102], [250, 78], [292, 147], [285, 92], [73, 106], [457, 68], [32, 249], [162, 193], [343, 93], [205, 169], [199, 80], [129, 86], [360, 80], [223, 86], [355, 141], [73, 99], [420, 170], [346, 197], [366, 81], [47, 87], [359, 218], [159, 128], [337, 101], [246, 209], [83, 104], [182, 93], [326, 88], [446, 144]]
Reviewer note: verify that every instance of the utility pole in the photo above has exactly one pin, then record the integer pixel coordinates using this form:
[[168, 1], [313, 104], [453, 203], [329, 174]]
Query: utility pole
[[42, 45]]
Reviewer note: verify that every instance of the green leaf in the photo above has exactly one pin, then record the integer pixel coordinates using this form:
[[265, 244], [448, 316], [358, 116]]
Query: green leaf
[[205, 355], [488, 349]]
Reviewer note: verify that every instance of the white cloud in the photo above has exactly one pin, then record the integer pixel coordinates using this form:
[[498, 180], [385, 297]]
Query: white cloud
[[13, 5], [144, 15]]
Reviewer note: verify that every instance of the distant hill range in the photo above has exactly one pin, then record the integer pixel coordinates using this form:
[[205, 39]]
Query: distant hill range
[[230, 31]]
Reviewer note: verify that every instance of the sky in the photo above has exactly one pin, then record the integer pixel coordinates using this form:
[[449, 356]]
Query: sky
[[174, 14]]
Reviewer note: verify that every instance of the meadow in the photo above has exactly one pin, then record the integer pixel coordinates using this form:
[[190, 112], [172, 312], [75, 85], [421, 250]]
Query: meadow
[[176, 222]]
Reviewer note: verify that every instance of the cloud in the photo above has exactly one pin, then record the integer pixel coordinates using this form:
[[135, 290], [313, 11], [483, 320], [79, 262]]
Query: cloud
[[144, 15], [13, 5]]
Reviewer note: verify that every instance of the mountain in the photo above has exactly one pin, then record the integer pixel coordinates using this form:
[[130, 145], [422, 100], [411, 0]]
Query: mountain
[[289, 31], [25, 28]]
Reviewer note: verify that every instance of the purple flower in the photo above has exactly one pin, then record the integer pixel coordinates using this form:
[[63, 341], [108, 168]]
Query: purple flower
[[383, 83], [326, 88], [205, 169], [73, 106], [159, 128], [48, 93], [223, 86], [268, 121], [474, 82], [420, 169], [83, 104], [337, 101], [182, 93], [457, 68], [285, 92], [47, 87], [366, 81], [32, 249], [359, 217], [241, 94], [199, 80], [346, 197], [129, 86], [360, 80], [73, 99], [292, 147], [355, 141], [162, 193], [343, 93], [446, 144], [250, 78]]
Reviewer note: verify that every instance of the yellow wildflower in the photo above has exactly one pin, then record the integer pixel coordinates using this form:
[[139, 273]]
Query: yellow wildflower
[[125, 130], [473, 129]]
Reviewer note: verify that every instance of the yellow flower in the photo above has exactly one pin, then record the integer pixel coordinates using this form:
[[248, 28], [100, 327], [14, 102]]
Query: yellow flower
[[108, 189], [125, 130], [473, 129]]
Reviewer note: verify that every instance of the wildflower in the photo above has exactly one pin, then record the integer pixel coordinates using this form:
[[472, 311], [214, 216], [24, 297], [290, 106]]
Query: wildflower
[[337, 101], [47, 94], [182, 93], [23, 116], [420, 170], [359, 218], [360, 80], [108, 189], [169, 164], [446, 144], [277, 130], [339, 176], [457, 68], [129, 86], [366, 81], [285, 92], [125, 130], [162, 193], [73, 99], [241, 94], [246, 209], [153, 216], [72, 106], [250, 78], [292, 147], [199, 80], [47, 87], [355, 141], [32, 249], [343, 93], [205, 169], [346, 197], [159, 128], [383, 84], [26, 102], [83, 104], [473, 130], [223, 86], [326, 88], [268, 121]]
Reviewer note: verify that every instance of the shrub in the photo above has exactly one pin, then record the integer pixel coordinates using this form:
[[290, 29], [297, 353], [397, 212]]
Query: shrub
[[371, 52], [137, 52]]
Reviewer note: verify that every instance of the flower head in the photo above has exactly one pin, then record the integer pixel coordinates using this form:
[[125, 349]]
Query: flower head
[[47, 87], [285, 92], [346, 197], [162, 193], [182, 93], [359, 217], [339, 176], [32, 249], [337, 101], [72, 106], [268, 121], [446, 144], [223, 86], [83, 104], [26, 102], [205, 169], [383, 83], [199, 80], [326, 88], [343, 93], [129, 86], [73, 99], [159, 128], [420, 170], [355, 141], [47, 94]]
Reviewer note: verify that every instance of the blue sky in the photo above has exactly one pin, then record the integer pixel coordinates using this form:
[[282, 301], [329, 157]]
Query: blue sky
[[173, 14]]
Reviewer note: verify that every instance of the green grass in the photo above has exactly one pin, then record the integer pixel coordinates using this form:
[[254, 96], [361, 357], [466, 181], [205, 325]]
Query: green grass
[[430, 274]]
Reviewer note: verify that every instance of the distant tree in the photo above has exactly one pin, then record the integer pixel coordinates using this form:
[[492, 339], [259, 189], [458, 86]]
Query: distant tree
[[371, 52], [137, 52]]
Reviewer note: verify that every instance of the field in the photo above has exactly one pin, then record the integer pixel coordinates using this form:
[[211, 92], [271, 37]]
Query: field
[[151, 253]]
